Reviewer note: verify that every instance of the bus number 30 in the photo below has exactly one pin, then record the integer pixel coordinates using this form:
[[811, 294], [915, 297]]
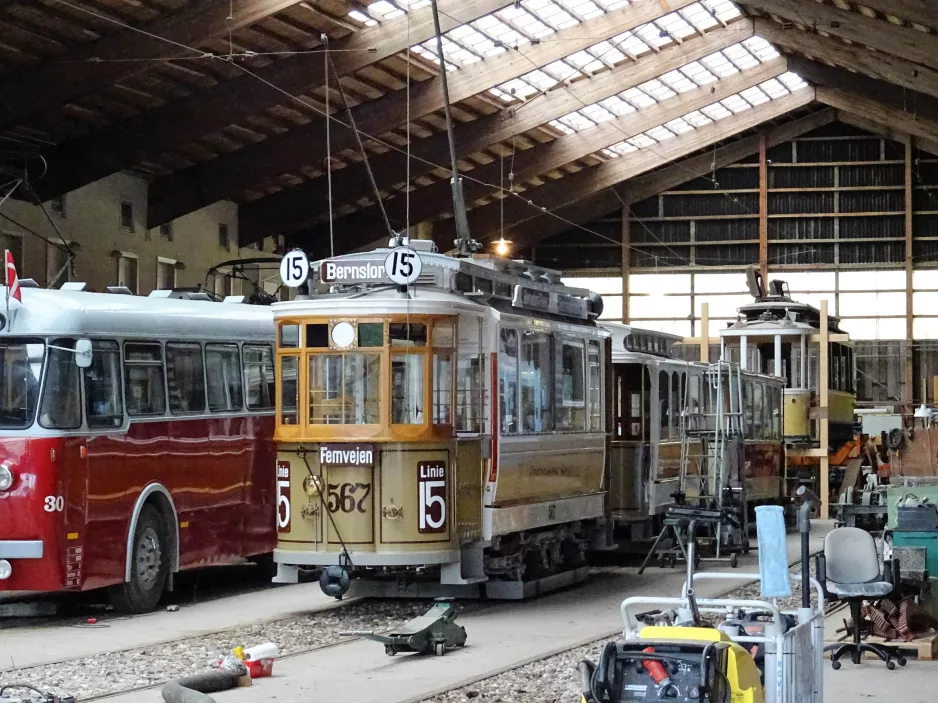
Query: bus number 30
[[343, 497]]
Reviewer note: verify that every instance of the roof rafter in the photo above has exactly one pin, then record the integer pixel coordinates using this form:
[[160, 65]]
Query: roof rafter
[[146, 136], [920, 11], [486, 220], [853, 26], [292, 149], [429, 202], [877, 65], [637, 189], [292, 207], [88, 67]]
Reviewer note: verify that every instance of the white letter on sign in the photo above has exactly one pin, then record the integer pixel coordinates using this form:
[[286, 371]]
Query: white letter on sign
[[431, 493]]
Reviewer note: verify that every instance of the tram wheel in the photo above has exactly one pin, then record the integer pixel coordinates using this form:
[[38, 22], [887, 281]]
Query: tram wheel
[[149, 567]]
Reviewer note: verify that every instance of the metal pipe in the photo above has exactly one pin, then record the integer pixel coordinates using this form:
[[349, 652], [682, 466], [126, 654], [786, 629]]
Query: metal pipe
[[744, 353]]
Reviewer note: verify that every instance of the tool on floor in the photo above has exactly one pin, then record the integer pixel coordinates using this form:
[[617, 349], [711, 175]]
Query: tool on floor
[[24, 693], [431, 633]]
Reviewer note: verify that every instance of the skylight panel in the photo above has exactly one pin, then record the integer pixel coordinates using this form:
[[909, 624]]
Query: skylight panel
[[506, 34], [641, 141], [560, 70], [597, 113], [699, 17], [761, 48], [736, 103], [577, 121], [660, 133], [716, 111], [634, 45], [557, 124], [607, 53], [540, 80], [518, 88], [653, 35], [614, 4], [383, 9], [556, 16], [677, 81], [676, 25], [585, 10], [363, 18], [724, 10], [657, 90], [754, 96], [774, 89], [501, 95], [623, 148], [719, 65], [617, 105], [679, 126], [697, 73], [610, 153], [741, 58], [792, 81], [637, 98], [697, 119]]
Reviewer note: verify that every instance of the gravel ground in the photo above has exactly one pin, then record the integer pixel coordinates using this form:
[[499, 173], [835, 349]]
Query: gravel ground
[[554, 679], [133, 668]]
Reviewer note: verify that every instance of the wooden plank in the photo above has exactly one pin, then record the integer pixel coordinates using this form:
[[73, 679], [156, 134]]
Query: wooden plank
[[388, 168], [87, 67], [878, 112], [626, 233], [909, 367], [823, 405], [920, 11], [485, 219], [853, 26], [893, 69], [146, 136]]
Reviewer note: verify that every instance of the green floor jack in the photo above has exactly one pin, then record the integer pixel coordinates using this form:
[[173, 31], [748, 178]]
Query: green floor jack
[[431, 633]]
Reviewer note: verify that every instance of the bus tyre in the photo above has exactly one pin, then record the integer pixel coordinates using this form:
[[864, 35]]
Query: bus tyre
[[149, 566]]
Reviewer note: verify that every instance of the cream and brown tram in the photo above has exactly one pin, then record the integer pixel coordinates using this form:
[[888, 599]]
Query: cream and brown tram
[[448, 433]]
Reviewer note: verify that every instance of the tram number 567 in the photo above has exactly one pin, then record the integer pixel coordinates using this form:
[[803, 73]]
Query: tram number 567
[[431, 496]]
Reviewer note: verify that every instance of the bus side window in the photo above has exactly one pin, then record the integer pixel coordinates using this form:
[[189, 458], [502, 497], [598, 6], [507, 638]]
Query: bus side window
[[61, 394], [223, 363], [185, 378], [143, 378], [103, 402], [259, 376], [508, 380]]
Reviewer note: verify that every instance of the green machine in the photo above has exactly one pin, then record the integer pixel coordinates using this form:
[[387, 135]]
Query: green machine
[[913, 533], [431, 633]]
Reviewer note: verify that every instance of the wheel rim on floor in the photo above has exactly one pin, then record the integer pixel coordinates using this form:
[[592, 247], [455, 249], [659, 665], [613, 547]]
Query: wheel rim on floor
[[148, 558]]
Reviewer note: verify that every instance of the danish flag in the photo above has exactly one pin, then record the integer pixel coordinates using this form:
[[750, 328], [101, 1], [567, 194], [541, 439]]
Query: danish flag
[[13, 281]]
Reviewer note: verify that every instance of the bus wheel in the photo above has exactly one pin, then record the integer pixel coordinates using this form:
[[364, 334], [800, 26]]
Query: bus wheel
[[149, 567]]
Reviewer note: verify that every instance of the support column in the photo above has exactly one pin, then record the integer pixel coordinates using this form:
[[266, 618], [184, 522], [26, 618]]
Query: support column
[[704, 333], [744, 353], [763, 212], [778, 356], [626, 260], [824, 393], [909, 376]]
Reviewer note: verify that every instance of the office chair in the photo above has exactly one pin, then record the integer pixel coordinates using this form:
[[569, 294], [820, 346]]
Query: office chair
[[851, 573]]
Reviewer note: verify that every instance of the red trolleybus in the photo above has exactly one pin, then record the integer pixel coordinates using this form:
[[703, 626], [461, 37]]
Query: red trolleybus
[[135, 439]]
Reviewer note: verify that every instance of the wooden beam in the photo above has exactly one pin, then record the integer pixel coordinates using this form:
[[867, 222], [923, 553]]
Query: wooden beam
[[635, 190], [887, 37], [878, 112], [85, 68], [885, 130], [485, 220], [146, 136], [893, 69], [435, 200], [626, 225], [922, 12], [909, 393], [824, 404], [195, 187], [763, 210]]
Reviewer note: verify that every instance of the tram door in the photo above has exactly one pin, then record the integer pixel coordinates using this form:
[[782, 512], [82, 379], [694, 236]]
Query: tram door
[[630, 458]]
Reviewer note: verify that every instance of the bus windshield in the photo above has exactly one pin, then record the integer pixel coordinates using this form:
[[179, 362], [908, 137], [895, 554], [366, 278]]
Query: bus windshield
[[20, 374]]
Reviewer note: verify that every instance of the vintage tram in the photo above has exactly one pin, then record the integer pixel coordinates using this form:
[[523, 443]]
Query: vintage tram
[[453, 434]]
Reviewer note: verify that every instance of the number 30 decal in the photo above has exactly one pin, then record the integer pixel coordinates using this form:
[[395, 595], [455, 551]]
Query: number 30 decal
[[54, 504], [431, 488]]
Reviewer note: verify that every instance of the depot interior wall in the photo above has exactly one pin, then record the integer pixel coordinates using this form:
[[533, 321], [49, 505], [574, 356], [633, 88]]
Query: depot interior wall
[[93, 221]]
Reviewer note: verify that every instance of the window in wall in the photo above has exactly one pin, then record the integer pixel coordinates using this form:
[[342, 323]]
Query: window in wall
[[58, 267], [127, 217], [289, 386], [407, 335], [289, 336], [535, 385], [185, 378], [13, 243], [224, 241], [595, 388], [165, 273], [442, 388], [127, 272], [571, 415], [103, 403], [663, 402], [259, 376], [61, 393], [508, 380], [223, 365], [143, 379], [166, 231], [57, 206]]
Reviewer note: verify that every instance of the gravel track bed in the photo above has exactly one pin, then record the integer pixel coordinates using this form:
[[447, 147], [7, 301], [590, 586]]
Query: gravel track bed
[[554, 679], [156, 664]]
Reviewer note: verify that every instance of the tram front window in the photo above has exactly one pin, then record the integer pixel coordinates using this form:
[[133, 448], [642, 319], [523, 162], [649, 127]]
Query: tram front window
[[20, 372], [407, 389], [344, 389], [61, 397]]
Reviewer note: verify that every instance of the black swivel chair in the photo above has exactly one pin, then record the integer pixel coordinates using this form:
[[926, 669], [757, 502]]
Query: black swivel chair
[[851, 573]]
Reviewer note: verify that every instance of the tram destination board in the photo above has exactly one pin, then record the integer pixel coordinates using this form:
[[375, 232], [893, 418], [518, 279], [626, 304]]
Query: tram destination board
[[431, 496], [546, 301]]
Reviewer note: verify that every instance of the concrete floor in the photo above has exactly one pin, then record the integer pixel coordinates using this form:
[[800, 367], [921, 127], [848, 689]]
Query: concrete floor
[[917, 682], [499, 638]]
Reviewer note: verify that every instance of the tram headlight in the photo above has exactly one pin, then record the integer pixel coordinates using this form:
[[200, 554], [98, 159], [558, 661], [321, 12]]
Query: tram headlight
[[312, 486], [6, 569], [6, 476]]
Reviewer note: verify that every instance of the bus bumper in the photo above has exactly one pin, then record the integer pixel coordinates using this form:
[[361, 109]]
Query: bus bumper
[[20, 549]]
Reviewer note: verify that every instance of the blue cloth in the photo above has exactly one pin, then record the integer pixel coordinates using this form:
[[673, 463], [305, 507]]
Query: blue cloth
[[773, 552]]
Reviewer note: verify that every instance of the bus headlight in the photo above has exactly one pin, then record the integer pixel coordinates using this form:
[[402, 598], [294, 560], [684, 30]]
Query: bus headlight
[[6, 570], [6, 476]]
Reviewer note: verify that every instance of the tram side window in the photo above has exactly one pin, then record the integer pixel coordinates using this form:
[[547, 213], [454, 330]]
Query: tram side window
[[748, 409], [442, 388], [663, 397], [143, 379], [595, 388], [103, 403], [758, 414], [508, 380], [223, 363], [289, 389], [777, 413], [259, 376], [676, 406], [571, 415], [61, 395], [469, 390], [407, 389], [344, 389], [185, 378], [537, 397]]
